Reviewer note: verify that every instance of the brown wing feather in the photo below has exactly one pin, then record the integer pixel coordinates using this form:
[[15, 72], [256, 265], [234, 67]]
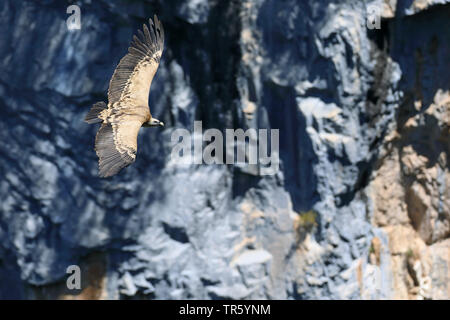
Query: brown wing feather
[[131, 81], [116, 144]]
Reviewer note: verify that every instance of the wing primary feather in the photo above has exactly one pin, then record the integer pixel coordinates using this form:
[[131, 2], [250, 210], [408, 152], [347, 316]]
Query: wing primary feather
[[136, 51], [156, 21], [139, 44], [152, 32], [141, 36], [137, 41], [148, 39], [160, 29]]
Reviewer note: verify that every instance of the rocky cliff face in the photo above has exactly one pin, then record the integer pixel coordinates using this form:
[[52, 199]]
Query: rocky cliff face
[[359, 209]]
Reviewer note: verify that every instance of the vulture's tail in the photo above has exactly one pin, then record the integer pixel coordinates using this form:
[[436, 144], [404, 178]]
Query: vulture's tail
[[92, 116]]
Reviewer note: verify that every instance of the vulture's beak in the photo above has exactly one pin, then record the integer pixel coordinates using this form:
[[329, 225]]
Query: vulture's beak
[[161, 124]]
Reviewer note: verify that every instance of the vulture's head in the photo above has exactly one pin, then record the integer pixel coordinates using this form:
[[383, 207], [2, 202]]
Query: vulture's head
[[154, 123]]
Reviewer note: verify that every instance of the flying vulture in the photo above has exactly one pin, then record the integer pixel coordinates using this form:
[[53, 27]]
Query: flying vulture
[[127, 110]]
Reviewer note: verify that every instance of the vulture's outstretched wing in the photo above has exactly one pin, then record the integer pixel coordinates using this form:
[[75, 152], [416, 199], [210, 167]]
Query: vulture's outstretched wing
[[130, 83], [116, 148], [116, 141]]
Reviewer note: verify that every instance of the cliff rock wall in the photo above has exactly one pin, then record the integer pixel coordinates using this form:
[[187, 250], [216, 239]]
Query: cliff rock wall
[[360, 207]]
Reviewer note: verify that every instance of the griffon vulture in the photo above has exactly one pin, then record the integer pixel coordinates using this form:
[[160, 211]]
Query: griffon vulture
[[127, 110]]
